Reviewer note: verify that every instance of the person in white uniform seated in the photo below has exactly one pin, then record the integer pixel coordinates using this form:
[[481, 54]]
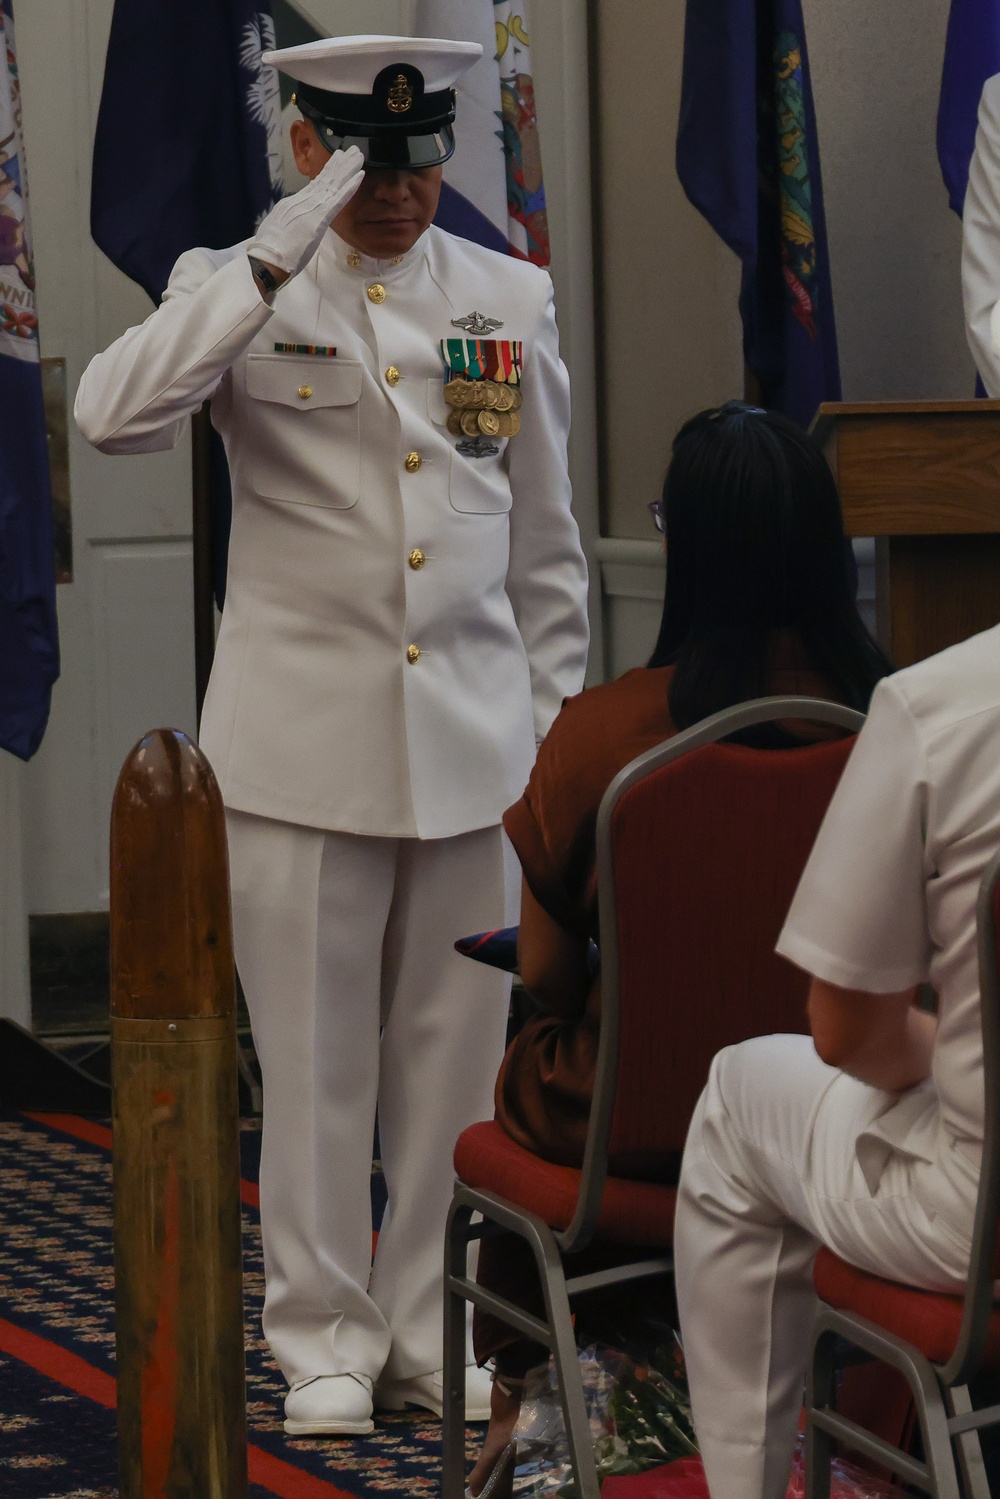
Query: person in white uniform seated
[[405, 612], [868, 1137], [981, 242]]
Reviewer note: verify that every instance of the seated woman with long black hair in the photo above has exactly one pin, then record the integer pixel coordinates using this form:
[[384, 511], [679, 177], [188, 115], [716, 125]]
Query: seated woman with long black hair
[[759, 601]]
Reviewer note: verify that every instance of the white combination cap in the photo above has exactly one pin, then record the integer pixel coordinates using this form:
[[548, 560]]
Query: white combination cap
[[350, 64], [392, 96]]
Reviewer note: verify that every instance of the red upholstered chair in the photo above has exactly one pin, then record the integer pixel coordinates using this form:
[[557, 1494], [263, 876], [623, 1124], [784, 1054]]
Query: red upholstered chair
[[700, 846], [938, 1343]]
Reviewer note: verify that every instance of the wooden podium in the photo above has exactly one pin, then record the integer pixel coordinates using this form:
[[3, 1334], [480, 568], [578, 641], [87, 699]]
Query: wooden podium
[[923, 478]]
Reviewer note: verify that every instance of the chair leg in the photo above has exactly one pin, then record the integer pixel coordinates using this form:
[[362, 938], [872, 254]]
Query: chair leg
[[937, 1474], [453, 1419], [820, 1395], [581, 1450], [970, 1453]]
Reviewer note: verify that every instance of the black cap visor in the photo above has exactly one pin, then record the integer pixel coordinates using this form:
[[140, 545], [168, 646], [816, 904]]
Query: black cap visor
[[385, 148], [374, 122]]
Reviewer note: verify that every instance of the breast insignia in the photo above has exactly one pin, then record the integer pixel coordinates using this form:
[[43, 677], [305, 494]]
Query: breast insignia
[[477, 322]]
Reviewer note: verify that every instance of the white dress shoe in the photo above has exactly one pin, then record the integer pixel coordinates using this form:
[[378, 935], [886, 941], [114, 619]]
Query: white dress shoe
[[330, 1405], [427, 1391]]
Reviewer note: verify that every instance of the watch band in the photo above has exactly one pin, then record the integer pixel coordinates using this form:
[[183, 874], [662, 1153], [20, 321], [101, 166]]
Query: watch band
[[263, 275]]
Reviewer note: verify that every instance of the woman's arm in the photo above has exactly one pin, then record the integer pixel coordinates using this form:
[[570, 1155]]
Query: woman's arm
[[553, 961], [883, 1039]]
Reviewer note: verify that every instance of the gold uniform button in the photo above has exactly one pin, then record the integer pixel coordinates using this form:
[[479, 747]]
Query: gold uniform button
[[416, 559], [376, 292], [392, 375], [413, 654], [412, 462], [305, 391]]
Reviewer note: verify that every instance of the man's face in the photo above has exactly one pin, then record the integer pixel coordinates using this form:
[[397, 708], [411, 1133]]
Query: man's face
[[390, 210]]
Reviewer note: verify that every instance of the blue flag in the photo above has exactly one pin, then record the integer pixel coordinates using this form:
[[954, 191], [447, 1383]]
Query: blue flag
[[971, 55], [748, 159], [187, 152], [29, 641]]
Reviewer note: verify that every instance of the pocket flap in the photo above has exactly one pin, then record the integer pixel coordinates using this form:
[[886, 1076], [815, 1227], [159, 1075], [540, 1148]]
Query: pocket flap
[[286, 379]]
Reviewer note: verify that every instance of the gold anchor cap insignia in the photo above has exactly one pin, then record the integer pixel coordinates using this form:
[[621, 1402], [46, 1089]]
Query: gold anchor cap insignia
[[400, 95]]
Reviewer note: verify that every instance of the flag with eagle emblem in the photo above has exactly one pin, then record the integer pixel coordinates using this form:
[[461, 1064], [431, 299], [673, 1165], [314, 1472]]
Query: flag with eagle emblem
[[748, 159]]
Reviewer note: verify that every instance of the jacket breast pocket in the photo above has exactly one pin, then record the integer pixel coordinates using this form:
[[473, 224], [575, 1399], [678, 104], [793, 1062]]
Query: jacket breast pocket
[[304, 441], [478, 485]]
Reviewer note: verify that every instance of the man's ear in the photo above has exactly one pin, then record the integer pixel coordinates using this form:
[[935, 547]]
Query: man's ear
[[310, 154]]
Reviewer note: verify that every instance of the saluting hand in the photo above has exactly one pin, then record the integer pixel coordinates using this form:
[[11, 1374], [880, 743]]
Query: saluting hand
[[289, 236]]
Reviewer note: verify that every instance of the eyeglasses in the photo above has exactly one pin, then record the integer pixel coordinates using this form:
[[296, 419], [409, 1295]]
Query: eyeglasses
[[659, 515]]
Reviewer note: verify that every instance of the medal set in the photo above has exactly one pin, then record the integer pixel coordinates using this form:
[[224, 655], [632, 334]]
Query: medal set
[[482, 408], [483, 392]]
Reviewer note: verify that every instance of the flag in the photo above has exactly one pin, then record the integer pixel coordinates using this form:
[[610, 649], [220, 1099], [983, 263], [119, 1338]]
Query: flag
[[29, 640], [493, 191], [748, 159], [188, 143], [971, 55], [187, 152]]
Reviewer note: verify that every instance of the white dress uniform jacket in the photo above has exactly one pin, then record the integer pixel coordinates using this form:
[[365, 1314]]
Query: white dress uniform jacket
[[360, 531], [981, 241]]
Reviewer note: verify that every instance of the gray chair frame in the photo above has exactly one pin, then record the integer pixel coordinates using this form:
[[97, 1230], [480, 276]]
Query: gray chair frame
[[549, 1245], [949, 1426]]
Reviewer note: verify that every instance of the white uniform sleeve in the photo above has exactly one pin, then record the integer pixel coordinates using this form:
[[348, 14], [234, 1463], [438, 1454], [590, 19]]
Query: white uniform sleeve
[[135, 397], [859, 916], [981, 240], [547, 573]]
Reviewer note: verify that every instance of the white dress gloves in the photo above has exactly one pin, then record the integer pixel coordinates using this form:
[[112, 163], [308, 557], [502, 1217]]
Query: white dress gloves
[[289, 236]]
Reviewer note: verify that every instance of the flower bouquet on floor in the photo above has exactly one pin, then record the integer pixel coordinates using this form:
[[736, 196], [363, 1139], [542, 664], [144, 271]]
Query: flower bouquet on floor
[[642, 1432], [639, 1414]]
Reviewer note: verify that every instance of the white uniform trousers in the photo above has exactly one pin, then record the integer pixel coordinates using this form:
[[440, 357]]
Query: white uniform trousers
[[770, 1172], [336, 936]]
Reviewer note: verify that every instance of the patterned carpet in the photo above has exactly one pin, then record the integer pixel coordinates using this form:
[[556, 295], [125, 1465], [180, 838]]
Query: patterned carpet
[[57, 1342]]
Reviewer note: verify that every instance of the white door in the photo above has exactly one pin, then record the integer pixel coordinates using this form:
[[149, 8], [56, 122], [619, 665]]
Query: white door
[[125, 621]]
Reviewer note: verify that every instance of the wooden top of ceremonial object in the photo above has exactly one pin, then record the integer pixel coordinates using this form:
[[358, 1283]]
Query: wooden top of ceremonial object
[[923, 478], [914, 468], [171, 938]]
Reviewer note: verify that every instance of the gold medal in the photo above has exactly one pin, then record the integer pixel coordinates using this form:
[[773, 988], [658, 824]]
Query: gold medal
[[491, 394], [510, 423], [489, 423], [456, 392], [505, 398], [455, 423], [515, 391], [470, 423]]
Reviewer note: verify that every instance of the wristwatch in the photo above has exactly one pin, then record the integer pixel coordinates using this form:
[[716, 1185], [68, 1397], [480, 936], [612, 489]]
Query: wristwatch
[[263, 275]]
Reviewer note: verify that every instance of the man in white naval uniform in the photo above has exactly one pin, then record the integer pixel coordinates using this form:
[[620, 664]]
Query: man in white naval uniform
[[981, 242], [405, 613]]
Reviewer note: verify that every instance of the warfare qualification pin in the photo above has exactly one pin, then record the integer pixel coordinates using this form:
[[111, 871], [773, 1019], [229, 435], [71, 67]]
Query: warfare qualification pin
[[477, 322]]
